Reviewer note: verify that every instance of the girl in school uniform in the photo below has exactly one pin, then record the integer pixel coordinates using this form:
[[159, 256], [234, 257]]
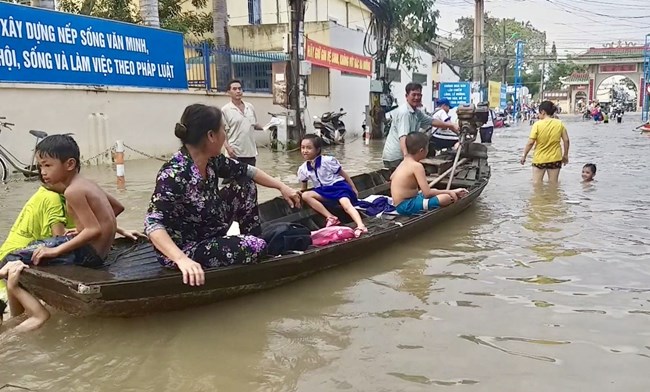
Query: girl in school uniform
[[332, 185]]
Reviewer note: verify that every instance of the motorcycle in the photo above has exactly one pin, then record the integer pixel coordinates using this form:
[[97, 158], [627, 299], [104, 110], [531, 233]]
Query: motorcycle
[[330, 127]]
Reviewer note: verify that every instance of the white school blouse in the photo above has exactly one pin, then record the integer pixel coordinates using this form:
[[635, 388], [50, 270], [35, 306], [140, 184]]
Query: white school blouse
[[325, 171]]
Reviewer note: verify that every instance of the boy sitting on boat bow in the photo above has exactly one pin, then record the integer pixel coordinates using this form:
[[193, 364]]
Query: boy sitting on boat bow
[[409, 188]]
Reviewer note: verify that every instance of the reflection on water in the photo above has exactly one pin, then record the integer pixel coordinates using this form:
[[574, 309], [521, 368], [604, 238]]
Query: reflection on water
[[530, 289]]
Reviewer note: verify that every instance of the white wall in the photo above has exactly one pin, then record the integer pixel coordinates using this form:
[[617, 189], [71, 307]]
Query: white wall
[[447, 75], [425, 67], [143, 119], [347, 91]]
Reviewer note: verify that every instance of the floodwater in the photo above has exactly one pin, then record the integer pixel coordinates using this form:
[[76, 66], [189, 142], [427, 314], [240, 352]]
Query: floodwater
[[531, 289]]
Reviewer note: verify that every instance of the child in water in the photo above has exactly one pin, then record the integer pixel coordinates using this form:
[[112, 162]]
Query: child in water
[[44, 215], [588, 172], [37, 314], [332, 185]]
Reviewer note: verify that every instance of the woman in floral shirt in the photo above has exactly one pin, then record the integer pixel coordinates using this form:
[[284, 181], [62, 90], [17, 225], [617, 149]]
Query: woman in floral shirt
[[189, 215]]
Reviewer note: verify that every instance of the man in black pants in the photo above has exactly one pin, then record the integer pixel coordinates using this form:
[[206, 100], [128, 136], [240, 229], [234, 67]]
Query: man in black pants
[[487, 129]]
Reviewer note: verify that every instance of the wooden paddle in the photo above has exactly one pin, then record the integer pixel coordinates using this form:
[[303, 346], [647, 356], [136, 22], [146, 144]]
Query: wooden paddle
[[443, 175], [453, 168]]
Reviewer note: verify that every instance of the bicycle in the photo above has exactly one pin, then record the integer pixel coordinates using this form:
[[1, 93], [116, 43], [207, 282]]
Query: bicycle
[[28, 170]]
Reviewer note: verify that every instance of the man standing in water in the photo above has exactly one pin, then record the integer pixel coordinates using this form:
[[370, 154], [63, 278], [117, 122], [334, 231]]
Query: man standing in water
[[406, 119], [241, 123]]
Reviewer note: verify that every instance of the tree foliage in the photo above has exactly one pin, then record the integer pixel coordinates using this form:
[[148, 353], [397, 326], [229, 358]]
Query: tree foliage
[[499, 39], [559, 70], [405, 23], [172, 14]]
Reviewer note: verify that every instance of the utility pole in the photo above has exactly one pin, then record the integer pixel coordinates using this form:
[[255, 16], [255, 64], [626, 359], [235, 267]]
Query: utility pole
[[541, 81], [479, 12], [295, 84]]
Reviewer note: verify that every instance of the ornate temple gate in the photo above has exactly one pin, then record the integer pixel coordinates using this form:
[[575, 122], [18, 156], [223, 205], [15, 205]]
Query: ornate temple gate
[[623, 59]]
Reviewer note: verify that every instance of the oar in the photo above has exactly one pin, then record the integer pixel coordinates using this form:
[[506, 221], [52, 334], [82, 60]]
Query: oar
[[443, 175], [642, 125], [453, 168]]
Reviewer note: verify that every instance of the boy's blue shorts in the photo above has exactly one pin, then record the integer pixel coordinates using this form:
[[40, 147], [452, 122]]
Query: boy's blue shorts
[[417, 204]]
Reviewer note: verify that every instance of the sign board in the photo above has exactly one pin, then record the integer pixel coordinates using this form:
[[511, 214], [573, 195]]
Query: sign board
[[339, 59], [457, 93], [494, 94], [43, 46], [503, 98]]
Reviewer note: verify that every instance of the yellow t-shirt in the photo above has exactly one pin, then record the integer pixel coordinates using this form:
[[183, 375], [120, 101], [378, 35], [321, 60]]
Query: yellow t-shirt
[[547, 134], [42, 210]]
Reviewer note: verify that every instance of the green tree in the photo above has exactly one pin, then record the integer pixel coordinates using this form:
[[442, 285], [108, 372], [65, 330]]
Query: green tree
[[401, 24], [559, 70], [172, 15], [500, 36], [553, 52]]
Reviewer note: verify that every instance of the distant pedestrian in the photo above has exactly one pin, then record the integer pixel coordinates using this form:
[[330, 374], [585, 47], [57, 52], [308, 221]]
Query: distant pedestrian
[[487, 129], [241, 122]]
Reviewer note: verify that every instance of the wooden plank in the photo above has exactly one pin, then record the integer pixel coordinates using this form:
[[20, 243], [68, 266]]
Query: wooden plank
[[436, 165], [471, 174]]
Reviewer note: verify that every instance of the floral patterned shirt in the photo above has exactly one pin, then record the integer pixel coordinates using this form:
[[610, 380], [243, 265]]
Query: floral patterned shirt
[[188, 206]]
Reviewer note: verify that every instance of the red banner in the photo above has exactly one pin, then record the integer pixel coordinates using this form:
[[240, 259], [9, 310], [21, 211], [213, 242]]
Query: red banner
[[616, 68], [339, 59]]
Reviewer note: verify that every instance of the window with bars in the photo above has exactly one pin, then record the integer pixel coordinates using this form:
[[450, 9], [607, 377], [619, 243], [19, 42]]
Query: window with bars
[[255, 12]]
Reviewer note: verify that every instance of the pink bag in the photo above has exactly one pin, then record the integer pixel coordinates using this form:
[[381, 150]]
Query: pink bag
[[332, 234]]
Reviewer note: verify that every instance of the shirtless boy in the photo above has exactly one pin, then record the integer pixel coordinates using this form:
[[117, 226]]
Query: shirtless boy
[[92, 209], [409, 188]]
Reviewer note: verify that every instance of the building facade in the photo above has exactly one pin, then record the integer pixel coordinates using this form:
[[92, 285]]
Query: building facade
[[263, 25]]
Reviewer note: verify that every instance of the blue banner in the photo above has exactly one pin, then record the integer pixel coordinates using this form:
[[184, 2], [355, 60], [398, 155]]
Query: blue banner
[[503, 98], [42, 46], [457, 93]]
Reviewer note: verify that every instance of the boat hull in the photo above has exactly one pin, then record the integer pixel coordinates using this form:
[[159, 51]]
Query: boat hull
[[137, 285]]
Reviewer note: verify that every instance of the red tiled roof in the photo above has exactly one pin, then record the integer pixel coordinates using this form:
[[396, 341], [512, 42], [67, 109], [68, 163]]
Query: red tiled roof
[[577, 77], [631, 51]]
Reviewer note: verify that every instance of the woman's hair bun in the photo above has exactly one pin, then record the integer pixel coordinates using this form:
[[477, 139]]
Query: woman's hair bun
[[180, 131]]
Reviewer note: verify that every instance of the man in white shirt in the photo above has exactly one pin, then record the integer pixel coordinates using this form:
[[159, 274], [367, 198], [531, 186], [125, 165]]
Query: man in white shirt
[[445, 136], [241, 122], [406, 119]]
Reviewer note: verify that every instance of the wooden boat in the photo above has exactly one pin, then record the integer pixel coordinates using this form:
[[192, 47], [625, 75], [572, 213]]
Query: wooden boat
[[645, 127], [133, 282]]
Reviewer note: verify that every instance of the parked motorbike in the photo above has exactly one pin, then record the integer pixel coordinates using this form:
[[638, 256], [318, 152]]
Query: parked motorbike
[[330, 127]]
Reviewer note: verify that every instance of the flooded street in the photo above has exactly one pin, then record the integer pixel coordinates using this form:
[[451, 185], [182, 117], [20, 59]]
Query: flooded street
[[530, 289]]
